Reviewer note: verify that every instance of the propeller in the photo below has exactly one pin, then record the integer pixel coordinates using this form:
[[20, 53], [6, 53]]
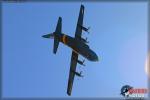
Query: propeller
[[86, 39], [88, 30]]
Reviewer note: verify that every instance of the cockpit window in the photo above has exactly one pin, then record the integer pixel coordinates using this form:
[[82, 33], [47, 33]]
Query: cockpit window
[[86, 46]]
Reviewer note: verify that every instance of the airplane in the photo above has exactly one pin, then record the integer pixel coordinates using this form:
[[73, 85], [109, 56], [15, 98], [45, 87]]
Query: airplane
[[77, 44]]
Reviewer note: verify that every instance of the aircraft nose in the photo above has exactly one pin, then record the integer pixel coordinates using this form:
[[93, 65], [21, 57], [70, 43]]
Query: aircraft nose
[[97, 59], [94, 57]]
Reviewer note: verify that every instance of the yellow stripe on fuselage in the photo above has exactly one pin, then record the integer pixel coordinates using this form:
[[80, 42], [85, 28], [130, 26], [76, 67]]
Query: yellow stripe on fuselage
[[75, 51], [64, 39]]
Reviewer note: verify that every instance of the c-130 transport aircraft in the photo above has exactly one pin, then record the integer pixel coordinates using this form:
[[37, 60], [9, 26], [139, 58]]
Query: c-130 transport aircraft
[[77, 44]]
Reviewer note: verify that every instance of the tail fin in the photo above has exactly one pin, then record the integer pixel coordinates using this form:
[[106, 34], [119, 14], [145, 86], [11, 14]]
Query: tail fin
[[56, 35], [48, 35]]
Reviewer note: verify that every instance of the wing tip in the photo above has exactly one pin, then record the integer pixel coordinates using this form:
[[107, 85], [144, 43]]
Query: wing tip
[[69, 93], [60, 18], [82, 6]]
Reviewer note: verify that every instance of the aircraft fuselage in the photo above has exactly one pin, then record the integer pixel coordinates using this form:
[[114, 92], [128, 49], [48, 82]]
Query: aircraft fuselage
[[78, 46]]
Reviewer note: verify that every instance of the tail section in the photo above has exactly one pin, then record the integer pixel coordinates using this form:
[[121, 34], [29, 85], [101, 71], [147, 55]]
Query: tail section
[[56, 43], [48, 36], [55, 35], [59, 26]]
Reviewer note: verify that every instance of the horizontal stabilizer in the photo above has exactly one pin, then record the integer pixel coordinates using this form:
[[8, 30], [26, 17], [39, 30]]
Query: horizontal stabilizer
[[56, 35], [56, 43]]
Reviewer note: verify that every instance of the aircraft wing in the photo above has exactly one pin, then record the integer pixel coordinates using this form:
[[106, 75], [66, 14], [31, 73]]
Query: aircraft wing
[[74, 56], [73, 65], [78, 32]]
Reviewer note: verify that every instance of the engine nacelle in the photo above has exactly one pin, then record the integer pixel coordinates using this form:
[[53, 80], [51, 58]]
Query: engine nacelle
[[81, 62], [85, 40], [84, 28], [78, 74]]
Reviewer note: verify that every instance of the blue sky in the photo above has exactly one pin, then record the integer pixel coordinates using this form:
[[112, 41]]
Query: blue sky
[[118, 35]]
